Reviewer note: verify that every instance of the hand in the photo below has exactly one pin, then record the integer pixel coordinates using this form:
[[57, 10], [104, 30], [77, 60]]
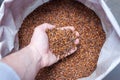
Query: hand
[[40, 45]]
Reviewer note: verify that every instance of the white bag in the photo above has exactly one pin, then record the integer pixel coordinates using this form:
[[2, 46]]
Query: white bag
[[13, 12]]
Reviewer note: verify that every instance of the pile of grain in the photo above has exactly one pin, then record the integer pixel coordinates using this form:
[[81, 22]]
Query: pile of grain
[[68, 13], [61, 41]]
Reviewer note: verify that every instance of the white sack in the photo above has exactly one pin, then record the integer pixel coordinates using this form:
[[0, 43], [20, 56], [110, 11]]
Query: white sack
[[13, 12]]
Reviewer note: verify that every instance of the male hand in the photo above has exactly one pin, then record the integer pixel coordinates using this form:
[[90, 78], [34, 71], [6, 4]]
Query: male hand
[[40, 45]]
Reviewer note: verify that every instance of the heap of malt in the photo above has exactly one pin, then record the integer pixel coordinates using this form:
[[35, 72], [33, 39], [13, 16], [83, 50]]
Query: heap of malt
[[61, 41], [67, 13]]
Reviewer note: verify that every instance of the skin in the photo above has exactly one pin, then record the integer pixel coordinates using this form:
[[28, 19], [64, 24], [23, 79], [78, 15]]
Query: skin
[[29, 60]]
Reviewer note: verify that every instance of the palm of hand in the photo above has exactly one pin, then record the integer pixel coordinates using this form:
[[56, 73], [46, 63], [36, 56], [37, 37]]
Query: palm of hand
[[39, 42]]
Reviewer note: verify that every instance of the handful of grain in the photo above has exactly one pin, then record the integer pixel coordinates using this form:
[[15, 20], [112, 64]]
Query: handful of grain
[[61, 41]]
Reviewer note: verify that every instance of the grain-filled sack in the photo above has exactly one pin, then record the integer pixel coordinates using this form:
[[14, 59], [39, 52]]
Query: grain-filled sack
[[91, 37], [13, 12]]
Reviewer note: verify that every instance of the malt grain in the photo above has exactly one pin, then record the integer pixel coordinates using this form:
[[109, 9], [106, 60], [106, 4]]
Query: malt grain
[[68, 13], [61, 41]]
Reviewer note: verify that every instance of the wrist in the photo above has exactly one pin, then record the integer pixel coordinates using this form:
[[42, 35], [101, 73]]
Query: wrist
[[34, 53], [37, 56]]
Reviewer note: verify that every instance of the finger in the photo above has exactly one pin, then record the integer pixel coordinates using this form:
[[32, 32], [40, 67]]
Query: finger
[[72, 51], [76, 41], [68, 27], [46, 26], [77, 34], [58, 57]]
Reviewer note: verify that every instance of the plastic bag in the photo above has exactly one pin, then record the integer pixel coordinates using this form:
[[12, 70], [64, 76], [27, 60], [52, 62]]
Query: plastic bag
[[13, 12]]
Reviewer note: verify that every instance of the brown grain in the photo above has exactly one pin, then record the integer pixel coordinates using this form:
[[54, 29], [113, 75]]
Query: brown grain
[[61, 41], [68, 13]]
